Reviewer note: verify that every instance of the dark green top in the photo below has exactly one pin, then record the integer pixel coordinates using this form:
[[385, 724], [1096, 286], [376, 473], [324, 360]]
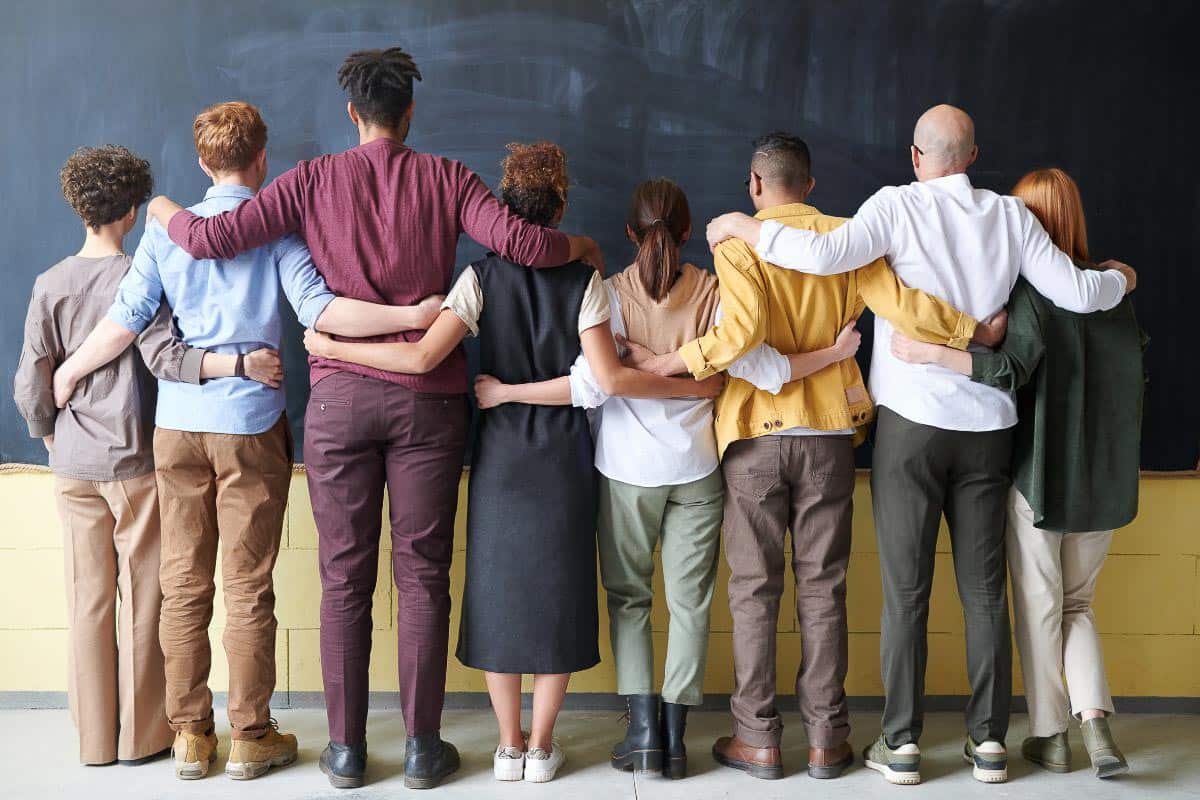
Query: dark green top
[[1079, 382]]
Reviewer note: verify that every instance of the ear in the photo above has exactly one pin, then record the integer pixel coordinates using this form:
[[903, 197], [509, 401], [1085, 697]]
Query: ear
[[916, 157], [812, 184], [974, 154], [351, 112], [629, 234], [408, 112], [131, 217], [260, 161], [687, 234], [204, 168], [756, 185]]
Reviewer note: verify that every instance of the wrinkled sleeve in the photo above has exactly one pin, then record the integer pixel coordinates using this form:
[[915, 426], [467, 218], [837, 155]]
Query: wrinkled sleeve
[[914, 313], [1013, 365], [743, 325], [466, 300], [303, 286], [764, 367], [272, 213], [861, 240], [165, 354], [1055, 276], [41, 353]]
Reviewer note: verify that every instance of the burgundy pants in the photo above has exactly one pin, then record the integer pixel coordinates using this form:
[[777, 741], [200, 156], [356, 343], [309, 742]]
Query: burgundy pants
[[360, 435]]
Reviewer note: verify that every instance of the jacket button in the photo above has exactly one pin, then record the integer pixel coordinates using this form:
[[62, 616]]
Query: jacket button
[[322, 406], [767, 426]]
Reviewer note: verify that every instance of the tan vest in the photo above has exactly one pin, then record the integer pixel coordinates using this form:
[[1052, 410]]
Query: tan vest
[[684, 314]]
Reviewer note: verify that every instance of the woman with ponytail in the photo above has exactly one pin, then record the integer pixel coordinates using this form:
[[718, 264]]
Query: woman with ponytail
[[660, 482]]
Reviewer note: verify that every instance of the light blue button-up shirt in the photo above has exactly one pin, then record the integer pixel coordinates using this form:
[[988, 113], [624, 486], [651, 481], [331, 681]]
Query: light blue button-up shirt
[[226, 306]]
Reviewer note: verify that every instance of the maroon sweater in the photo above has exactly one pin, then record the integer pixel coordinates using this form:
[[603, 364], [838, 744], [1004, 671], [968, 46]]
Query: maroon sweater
[[382, 223]]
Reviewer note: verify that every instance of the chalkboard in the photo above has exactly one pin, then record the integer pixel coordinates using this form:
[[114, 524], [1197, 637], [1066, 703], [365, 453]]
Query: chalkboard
[[635, 89]]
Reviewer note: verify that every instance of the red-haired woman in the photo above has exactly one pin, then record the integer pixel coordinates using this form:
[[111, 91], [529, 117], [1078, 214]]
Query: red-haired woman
[[1079, 381], [529, 605]]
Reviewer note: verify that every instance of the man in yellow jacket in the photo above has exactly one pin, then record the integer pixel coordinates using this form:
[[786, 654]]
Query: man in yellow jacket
[[788, 457]]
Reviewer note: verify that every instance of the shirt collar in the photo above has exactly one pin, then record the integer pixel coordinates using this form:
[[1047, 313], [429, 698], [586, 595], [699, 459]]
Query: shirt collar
[[959, 180], [786, 210], [229, 190]]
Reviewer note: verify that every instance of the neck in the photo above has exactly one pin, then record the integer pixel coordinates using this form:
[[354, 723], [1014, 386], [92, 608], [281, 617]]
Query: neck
[[107, 240], [772, 199], [372, 133], [245, 178], [941, 172]]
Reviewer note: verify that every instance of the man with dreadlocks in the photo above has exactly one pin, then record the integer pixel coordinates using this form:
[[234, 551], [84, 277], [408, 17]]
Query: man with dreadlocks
[[382, 222]]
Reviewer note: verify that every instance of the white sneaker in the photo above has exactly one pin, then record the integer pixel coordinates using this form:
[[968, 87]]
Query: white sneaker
[[988, 760], [508, 764], [540, 766]]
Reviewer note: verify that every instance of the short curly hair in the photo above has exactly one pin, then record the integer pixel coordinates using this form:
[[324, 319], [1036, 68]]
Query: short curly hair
[[534, 183], [103, 183]]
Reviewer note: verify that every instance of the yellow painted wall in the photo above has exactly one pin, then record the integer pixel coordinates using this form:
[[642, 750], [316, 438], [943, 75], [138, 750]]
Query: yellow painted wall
[[1148, 606]]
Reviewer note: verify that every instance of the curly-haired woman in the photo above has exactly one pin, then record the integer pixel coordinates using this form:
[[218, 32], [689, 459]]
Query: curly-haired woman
[[529, 606]]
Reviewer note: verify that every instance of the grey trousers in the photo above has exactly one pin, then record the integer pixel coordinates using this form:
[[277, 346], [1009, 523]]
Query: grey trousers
[[686, 521], [919, 473]]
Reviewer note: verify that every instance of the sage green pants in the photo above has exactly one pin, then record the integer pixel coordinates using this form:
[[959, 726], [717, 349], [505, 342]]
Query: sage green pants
[[686, 519]]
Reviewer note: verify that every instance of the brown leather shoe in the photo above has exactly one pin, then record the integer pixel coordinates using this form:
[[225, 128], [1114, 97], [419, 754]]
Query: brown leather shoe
[[829, 762], [760, 762]]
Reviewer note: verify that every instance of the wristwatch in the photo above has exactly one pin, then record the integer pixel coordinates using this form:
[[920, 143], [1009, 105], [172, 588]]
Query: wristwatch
[[239, 369]]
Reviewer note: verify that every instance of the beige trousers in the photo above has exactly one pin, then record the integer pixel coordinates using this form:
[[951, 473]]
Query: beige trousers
[[232, 489], [1053, 583], [115, 682]]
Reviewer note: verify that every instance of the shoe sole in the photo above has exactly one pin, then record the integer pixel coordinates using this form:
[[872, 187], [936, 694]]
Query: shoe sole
[[514, 770], [429, 783], [829, 771], [639, 761], [341, 781], [1050, 766], [675, 768], [543, 777], [892, 776], [1109, 767], [249, 770], [984, 775], [194, 770], [754, 770]]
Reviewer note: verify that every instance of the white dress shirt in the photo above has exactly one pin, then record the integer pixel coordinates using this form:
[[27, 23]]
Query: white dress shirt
[[963, 244], [669, 442]]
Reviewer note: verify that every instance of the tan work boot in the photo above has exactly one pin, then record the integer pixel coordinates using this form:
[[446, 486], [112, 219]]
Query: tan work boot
[[251, 758], [194, 753]]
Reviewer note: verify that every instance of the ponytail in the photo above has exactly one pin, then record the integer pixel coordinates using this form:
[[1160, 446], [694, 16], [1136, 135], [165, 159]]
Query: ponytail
[[657, 260], [658, 220]]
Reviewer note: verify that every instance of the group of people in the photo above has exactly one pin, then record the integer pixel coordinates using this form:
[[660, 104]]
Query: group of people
[[649, 411]]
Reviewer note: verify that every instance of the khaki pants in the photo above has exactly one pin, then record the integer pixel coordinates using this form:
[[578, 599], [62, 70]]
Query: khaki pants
[[233, 489], [687, 520], [805, 484], [115, 672], [1053, 583]]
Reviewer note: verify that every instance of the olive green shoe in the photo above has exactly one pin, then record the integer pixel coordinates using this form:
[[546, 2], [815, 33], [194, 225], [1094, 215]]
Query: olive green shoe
[[900, 766], [1107, 759], [988, 760], [1048, 752]]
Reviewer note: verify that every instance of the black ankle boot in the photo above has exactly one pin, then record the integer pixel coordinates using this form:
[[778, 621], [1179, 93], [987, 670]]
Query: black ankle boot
[[674, 722], [428, 760], [344, 764], [641, 750]]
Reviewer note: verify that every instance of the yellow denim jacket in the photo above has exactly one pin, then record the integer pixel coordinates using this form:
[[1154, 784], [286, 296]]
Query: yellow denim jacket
[[798, 313]]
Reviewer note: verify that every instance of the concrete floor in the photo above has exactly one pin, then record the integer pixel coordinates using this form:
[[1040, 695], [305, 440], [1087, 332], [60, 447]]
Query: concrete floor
[[38, 760]]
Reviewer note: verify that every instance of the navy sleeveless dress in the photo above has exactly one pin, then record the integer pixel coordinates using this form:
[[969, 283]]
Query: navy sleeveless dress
[[529, 605]]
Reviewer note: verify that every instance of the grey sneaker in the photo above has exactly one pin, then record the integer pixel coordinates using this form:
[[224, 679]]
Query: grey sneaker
[[900, 766], [988, 760], [1049, 752], [1107, 759]]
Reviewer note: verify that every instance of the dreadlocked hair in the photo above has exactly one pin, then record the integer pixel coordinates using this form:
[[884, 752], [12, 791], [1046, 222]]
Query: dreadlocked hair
[[380, 85], [534, 183]]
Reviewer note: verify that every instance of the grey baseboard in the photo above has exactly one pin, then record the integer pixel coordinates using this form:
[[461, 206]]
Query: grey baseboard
[[603, 701]]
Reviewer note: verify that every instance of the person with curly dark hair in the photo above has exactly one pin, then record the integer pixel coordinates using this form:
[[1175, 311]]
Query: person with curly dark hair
[[99, 446], [529, 605], [383, 223]]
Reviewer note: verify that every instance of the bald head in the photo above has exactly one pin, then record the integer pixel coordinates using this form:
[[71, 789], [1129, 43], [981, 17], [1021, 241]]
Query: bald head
[[945, 136]]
